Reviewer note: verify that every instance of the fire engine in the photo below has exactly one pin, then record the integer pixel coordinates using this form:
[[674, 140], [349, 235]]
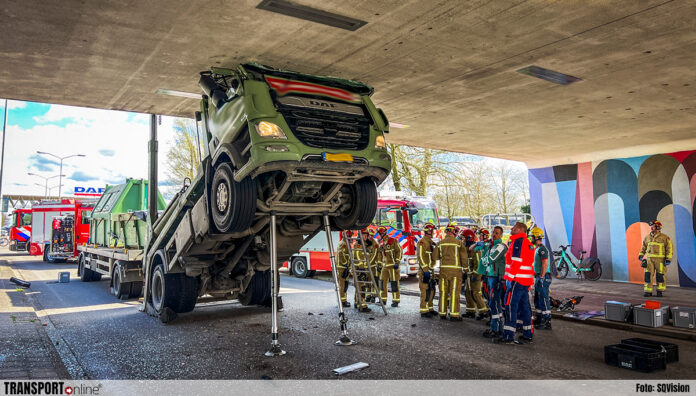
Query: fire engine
[[20, 233], [42, 218], [404, 218]]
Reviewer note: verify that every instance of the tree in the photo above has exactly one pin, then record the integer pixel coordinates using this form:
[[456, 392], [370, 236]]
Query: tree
[[413, 168], [182, 157]]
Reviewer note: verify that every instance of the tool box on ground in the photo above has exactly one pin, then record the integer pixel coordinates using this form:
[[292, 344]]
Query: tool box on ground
[[684, 317], [617, 311], [672, 350], [655, 317], [64, 277], [634, 357]]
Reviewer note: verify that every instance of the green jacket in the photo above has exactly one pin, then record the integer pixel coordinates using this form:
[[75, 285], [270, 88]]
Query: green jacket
[[494, 260]]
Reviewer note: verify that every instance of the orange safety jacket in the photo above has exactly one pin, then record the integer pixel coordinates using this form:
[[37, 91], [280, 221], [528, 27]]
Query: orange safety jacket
[[519, 260]]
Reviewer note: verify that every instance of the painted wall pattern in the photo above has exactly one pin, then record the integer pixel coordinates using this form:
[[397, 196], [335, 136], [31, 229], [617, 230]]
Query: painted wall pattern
[[604, 208]]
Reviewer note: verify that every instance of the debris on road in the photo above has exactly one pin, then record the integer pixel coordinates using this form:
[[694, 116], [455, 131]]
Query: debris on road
[[350, 368], [20, 282]]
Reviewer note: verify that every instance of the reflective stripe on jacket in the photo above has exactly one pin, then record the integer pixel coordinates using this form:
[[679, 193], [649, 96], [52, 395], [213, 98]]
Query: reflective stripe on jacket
[[519, 260]]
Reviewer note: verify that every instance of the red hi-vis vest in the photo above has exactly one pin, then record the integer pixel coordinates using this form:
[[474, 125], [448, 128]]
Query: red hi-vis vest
[[519, 260]]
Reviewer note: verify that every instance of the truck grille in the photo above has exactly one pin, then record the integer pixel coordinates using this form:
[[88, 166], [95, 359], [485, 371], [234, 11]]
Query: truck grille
[[327, 129]]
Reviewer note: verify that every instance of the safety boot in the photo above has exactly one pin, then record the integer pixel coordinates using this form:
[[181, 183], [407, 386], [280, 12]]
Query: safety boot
[[427, 315], [490, 334], [482, 315], [646, 294], [469, 315], [443, 317], [537, 321], [524, 340], [659, 293], [394, 304], [364, 309], [545, 324], [455, 318], [346, 304], [503, 340]]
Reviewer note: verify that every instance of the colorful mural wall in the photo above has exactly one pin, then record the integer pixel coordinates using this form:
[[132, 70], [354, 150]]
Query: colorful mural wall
[[603, 208]]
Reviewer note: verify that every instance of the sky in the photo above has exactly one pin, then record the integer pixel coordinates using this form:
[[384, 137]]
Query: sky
[[114, 144]]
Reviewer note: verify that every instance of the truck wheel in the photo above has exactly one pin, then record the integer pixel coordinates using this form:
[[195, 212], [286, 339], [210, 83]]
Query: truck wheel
[[362, 207], [259, 290], [120, 289], [299, 267], [136, 290], [85, 274], [177, 292], [233, 205]]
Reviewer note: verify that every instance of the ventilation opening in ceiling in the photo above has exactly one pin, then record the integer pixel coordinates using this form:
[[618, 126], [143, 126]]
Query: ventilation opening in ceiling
[[311, 14], [549, 75]]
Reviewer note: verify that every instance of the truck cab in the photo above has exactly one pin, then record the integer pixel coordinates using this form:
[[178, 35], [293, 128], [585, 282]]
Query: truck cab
[[20, 232], [404, 217]]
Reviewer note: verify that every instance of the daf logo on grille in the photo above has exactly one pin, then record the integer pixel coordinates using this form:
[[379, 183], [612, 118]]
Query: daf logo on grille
[[322, 104]]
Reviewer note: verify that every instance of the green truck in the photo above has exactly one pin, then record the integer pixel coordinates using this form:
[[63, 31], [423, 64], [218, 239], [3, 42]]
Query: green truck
[[284, 155]]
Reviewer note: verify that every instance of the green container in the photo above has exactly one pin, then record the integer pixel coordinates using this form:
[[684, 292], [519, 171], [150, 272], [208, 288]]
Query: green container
[[118, 218]]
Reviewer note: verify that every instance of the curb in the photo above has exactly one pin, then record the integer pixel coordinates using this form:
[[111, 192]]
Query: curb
[[669, 332]]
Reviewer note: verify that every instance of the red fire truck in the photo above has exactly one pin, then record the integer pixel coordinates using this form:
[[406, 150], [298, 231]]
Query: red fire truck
[[20, 233], [404, 218], [42, 218]]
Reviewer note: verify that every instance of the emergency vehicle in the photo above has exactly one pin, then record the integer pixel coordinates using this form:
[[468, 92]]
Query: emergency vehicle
[[404, 216], [42, 218], [20, 233]]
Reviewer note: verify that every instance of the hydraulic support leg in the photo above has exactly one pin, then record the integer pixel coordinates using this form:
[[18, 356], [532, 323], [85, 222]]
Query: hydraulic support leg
[[275, 349], [344, 340]]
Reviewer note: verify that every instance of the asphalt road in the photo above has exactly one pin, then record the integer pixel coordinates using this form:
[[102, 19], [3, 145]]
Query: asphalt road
[[100, 337]]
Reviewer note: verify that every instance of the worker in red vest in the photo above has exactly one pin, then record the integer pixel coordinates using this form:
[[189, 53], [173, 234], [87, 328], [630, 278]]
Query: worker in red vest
[[519, 276]]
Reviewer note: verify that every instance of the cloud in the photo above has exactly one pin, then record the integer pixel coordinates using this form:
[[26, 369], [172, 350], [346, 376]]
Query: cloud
[[107, 152], [43, 160], [16, 104], [80, 176]]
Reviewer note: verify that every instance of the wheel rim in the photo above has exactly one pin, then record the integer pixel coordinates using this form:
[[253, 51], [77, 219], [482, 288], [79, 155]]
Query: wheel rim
[[222, 197], [300, 267], [157, 291]]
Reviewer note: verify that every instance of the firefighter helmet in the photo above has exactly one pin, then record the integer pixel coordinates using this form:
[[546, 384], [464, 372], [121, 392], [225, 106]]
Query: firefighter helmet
[[656, 223], [429, 227], [484, 233], [381, 230], [468, 235], [451, 228], [365, 231], [537, 233]]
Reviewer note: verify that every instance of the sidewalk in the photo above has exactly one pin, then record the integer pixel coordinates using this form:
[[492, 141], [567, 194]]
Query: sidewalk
[[595, 294], [26, 351]]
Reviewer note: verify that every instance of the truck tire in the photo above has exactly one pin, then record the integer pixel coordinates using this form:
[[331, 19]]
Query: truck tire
[[363, 207], [177, 292], [136, 290], [120, 289], [299, 267], [233, 205], [259, 290]]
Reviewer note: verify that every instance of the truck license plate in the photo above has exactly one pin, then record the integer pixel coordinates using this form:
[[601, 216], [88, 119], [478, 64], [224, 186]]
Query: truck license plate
[[337, 157]]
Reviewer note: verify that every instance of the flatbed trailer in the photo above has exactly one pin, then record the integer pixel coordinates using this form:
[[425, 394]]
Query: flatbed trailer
[[123, 266]]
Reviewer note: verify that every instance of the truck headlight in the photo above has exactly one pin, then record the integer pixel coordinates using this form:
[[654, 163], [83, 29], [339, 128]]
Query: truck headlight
[[412, 261], [380, 143], [270, 130]]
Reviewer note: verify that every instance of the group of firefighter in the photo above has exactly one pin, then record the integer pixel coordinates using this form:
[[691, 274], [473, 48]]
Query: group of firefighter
[[483, 265], [497, 277]]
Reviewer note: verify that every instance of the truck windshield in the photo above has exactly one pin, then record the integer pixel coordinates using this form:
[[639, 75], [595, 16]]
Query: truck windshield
[[424, 216], [389, 217], [25, 219]]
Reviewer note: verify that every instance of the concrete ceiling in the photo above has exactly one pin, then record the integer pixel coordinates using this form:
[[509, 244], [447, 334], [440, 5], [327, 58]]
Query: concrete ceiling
[[447, 69]]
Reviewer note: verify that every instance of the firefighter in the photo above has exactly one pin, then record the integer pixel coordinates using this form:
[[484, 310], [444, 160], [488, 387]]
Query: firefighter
[[425, 271], [519, 276], [655, 255], [389, 258], [494, 262], [480, 249], [542, 281], [343, 266], [453, 257], [362, 262], [369, 236], [475, 305]]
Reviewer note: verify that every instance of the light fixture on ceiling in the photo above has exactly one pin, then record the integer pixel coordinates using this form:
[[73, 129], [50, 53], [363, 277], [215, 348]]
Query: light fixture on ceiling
[[549, 75], [182, 94], [311, 14]]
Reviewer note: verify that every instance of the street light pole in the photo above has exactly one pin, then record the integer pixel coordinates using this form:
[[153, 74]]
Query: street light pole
[[46, 179], [60, 181], [2, 159]]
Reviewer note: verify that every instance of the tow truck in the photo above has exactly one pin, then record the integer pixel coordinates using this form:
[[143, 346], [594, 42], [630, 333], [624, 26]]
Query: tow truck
[[284, 155]]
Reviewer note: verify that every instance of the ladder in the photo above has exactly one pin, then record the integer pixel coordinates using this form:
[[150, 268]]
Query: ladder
[[363, 279]]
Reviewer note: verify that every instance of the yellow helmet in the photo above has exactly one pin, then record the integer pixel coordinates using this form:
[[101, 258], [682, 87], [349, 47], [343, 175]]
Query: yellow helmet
[[537, 233]]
